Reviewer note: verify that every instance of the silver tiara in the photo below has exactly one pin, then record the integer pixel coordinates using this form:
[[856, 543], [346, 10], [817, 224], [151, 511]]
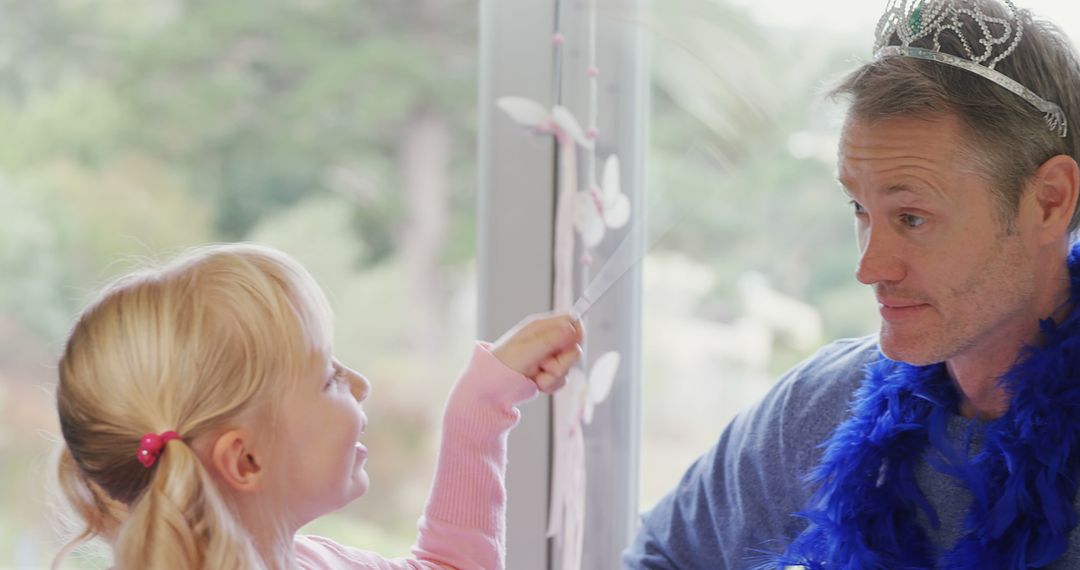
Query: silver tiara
[[913, 20]]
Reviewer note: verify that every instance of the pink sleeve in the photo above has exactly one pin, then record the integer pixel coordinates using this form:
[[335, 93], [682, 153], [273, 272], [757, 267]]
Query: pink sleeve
[[464, 523]]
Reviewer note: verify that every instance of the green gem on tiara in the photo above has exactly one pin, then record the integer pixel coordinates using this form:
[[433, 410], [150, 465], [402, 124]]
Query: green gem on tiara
[[909, 21], [915, 20]]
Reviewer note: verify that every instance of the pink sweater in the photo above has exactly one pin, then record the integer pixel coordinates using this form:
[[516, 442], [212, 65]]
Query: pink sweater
[[464, 523]]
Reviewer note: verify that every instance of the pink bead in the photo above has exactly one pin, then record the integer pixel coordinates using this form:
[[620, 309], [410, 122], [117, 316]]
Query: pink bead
[[558, 39], [151, 442], [594, 71], [151, 445], [592, 133], [146, 458], [586, 260]]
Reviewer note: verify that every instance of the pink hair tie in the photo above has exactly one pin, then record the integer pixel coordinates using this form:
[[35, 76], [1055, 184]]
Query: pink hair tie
[[151, 445]]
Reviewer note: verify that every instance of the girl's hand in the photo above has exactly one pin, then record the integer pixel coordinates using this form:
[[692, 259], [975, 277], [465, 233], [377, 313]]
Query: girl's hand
[[543, 348]]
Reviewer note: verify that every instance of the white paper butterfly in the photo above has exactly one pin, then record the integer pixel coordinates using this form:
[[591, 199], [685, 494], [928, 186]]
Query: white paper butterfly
[[600, 208], [559, 120], [598, 386]]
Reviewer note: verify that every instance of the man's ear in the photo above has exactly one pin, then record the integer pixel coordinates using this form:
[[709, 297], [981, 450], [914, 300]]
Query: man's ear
[[1053, 195], [235, 462]]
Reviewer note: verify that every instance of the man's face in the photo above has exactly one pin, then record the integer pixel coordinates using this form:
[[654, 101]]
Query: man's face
[[948, 277]]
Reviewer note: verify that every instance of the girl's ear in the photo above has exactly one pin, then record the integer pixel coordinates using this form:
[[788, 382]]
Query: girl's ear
[[234, 461]]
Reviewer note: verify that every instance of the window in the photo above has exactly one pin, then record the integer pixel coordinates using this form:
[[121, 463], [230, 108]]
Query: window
[[346, 135], [759, 273], [342, 133], [517, 217]]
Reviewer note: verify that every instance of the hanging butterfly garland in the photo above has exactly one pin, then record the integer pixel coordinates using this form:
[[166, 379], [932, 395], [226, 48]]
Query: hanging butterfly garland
[[587, 211]]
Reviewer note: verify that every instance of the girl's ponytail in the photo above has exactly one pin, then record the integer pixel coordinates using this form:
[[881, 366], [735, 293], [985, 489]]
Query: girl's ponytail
[[101, 515], [181, 521]]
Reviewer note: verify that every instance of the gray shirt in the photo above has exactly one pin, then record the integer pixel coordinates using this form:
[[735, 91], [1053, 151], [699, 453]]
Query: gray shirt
[[735, 502]]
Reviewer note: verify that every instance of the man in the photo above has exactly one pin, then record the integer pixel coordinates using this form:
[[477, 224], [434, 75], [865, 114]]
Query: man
[[952, 438]]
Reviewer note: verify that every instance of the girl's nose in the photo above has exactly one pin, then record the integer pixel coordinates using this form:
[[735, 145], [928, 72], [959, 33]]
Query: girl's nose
[[358, 384]]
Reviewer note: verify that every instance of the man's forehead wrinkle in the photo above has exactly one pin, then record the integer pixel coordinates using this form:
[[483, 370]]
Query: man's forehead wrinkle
[[915, 181]]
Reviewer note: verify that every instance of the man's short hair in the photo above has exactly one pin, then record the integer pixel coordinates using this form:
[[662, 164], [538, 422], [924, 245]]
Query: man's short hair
[[1008, 138]]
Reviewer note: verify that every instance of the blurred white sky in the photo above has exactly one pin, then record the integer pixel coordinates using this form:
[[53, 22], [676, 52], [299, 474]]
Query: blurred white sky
[[860, 16]]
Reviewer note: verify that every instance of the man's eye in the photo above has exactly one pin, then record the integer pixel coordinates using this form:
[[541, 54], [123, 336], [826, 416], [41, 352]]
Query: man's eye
[[911, 220], [857, 207]]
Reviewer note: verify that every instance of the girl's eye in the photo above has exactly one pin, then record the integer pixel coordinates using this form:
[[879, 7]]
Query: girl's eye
[[858, 208], [911, 220]]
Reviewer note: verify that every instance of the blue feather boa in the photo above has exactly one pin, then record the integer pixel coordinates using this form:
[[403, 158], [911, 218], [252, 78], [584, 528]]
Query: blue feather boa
[[1023, 480]]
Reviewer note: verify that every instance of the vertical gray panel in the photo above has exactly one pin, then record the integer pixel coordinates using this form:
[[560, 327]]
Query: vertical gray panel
[[612, 440], [514, 253], [514, 259]]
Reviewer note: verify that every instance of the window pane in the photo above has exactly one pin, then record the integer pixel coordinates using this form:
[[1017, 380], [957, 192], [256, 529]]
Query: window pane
[[341, 132], [759, 272]]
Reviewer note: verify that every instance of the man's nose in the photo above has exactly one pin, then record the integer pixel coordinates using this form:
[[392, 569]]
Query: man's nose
[[880, 260]]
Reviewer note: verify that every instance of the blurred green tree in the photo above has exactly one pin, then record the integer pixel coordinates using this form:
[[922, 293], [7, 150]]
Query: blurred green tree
[[136, 129]]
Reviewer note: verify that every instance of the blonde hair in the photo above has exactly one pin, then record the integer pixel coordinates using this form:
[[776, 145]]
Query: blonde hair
[[186, 347]]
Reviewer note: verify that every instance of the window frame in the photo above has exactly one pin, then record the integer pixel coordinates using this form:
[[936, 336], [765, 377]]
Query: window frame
[[516, 215], [515, 218]]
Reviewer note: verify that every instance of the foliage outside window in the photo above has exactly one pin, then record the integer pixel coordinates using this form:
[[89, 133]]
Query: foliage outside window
[[341, 132]]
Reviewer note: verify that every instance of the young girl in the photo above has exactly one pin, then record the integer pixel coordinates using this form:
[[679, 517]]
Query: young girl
[[205, 420]]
